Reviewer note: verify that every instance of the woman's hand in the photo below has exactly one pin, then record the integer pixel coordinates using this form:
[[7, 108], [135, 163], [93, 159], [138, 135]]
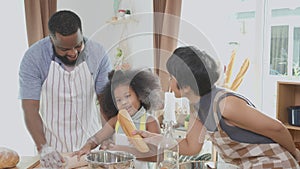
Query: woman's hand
[[149, 138], [297, 155]]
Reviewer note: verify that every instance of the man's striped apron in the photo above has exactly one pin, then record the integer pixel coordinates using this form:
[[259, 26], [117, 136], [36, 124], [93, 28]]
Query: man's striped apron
[[69, 107]]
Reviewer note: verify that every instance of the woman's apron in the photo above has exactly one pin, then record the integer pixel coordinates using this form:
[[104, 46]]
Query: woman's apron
[[245, 155], [69, 107], [121, 138]]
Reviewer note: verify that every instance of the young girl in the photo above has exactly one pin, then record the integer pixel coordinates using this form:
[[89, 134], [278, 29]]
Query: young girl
[[137, 91]]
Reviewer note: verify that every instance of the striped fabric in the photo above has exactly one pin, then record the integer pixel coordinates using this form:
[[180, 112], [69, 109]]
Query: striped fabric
[[68, 107], [254, 156]]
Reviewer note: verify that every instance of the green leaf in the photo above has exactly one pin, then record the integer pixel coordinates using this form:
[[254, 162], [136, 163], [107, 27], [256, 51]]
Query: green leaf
[[187, 118], [119, 52]]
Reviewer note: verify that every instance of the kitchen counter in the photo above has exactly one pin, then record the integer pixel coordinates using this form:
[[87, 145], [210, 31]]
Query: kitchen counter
[[32, 162], [28, 162]]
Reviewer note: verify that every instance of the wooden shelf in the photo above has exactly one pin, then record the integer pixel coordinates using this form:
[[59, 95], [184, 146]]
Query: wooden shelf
[[292, 127], [288, 94], [122, 21]]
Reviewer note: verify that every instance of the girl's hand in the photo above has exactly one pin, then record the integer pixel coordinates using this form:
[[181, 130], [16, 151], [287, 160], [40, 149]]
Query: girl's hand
[[114, 147], [107, 144], [84, 150]]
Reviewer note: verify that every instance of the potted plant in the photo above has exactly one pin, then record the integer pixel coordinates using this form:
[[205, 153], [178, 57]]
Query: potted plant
[[186, 121]]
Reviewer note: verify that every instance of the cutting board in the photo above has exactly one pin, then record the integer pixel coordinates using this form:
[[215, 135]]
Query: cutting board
[[28, 162], [72, 162], [33, 162]]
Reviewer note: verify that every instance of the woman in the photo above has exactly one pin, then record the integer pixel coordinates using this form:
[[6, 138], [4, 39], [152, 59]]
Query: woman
[[242, 134]]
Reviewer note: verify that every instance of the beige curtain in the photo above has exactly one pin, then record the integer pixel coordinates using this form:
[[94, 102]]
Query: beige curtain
[[279, 50], [166, 28], [37, 14]]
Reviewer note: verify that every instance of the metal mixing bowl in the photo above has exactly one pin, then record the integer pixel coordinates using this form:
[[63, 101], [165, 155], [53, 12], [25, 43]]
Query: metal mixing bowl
[[110, 160]]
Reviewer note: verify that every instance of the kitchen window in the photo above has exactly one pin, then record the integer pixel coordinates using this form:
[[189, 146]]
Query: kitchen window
[[284, 40], [280, 48]]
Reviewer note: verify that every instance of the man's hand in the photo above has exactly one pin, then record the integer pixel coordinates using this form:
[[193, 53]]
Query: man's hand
[[50, 158]]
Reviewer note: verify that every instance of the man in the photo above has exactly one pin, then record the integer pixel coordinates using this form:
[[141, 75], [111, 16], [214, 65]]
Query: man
[[60, 76]]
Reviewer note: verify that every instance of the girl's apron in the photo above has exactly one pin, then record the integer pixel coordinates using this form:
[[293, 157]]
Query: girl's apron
[[69, 107], [121, 138], [245, 155]]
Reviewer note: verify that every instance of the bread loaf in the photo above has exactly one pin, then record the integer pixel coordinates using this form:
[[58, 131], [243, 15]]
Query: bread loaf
[[240, 76], [229, 68], [128, 127], [8, 158]]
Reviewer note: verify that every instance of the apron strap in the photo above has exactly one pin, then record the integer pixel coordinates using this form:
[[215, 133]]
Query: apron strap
[[216, 101], [142, 123], [117, 126]]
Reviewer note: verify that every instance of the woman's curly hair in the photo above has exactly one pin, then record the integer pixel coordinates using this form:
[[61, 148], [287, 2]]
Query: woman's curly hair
[[144, 83]]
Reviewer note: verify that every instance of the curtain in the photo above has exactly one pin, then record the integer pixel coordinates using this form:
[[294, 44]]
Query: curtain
[[166, 27], [296, 52], [279, 50], [37, 14]]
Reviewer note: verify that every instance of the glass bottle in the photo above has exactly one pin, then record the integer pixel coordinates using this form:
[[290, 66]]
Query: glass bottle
[[168, 149]]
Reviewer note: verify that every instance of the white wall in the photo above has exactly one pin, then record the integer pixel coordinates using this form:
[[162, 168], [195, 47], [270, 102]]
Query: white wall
[[13, 44], [95, 14], [216, 21]]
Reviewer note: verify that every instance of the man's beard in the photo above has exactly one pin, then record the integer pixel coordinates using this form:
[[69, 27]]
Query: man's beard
[[66, 61]]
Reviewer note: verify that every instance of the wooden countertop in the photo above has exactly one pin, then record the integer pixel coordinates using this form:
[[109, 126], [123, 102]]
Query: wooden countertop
[[28, 162], [32, 162]]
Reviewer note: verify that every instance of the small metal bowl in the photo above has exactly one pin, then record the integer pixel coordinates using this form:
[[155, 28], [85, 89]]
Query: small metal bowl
[[110, 160]]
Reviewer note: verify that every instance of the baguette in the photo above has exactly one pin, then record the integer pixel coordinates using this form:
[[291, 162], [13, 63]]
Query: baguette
[[8, 158], [128, 127], [244, 68], [236, 84], [240, 76], [229, 68]]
